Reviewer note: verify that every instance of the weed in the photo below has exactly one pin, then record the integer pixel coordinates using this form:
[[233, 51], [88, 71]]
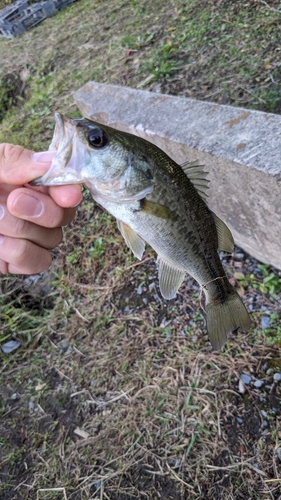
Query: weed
[[268, 283], [273, 332]]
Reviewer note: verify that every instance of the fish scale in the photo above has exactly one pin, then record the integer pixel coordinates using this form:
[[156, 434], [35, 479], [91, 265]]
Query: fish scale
[[156, 201]]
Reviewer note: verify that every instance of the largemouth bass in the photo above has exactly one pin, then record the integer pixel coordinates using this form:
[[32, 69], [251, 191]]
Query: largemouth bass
[[157, 201]]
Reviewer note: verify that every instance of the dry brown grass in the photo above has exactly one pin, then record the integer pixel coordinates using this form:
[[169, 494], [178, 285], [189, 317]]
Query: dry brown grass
[[117, 403]]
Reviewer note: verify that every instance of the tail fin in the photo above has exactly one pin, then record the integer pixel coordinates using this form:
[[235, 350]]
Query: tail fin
[[225, 317]]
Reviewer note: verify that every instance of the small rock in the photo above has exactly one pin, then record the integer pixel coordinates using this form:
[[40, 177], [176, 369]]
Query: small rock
[[277, 377], [165, 322], [98, 485], [264, 424], [264, 414], [239, 420], [278, 454], [31, 405], [269, 371], [156, 87], [239, 255], [15, 396], [39, 285], [69, 351], [10, 346], [63, 346], [258, 383], [237, 264], [151, 286], [241, 387], [265, 321], [139, 290], [246, 379]]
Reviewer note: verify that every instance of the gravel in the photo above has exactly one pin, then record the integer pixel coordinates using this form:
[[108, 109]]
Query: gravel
[[246, 379]]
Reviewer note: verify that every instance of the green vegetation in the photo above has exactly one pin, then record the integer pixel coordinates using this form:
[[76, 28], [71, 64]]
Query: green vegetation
[[115, 393], [269, 282], [226, 52]]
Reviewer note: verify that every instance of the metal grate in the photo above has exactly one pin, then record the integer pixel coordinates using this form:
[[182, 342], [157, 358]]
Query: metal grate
[[23, 14]]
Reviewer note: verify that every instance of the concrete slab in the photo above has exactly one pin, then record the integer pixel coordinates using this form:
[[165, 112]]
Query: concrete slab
[[240, 148]]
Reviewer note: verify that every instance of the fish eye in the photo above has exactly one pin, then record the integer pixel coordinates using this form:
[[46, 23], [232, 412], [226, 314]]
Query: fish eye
[[97, 138]]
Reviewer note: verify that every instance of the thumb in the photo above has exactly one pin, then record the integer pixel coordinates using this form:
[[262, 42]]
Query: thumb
[[18, 165]]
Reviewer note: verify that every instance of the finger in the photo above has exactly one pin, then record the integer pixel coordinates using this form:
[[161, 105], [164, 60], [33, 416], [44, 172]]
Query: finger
[[37, 207], [15, 227], [22, 256], [66, 196], [17, 166]]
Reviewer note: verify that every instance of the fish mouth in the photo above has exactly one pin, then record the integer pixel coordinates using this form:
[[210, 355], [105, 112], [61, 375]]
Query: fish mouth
[[63, 143], [74, 164]]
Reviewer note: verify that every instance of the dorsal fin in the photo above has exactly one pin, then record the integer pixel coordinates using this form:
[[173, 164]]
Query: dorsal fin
[[225, 238], [198, 176], [170, 278], [133, 240]]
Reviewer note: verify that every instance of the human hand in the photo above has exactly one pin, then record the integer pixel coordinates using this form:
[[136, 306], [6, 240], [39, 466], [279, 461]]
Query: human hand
[[30, 217]]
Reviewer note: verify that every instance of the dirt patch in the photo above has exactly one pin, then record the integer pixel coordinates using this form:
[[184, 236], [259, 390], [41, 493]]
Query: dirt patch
[[11, 91]]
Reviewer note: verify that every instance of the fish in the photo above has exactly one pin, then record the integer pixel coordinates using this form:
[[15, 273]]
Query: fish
[[156, 201]]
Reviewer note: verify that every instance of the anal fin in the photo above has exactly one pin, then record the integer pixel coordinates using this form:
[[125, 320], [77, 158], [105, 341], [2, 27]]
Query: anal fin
[[133, 240], [170, 278]]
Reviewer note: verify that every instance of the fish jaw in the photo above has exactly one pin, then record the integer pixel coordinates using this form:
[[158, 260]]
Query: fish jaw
[[56, 176], [64, 168]]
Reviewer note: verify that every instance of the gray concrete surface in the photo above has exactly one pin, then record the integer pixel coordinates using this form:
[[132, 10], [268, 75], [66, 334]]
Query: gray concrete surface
[[240, 148]]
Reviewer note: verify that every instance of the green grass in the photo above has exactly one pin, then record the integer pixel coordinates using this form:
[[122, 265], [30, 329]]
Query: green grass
[[226, 52]]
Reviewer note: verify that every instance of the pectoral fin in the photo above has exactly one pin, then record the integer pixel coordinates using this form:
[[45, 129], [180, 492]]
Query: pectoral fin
[[225, 239], [156, 209], [170, 278], [134, 242]]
